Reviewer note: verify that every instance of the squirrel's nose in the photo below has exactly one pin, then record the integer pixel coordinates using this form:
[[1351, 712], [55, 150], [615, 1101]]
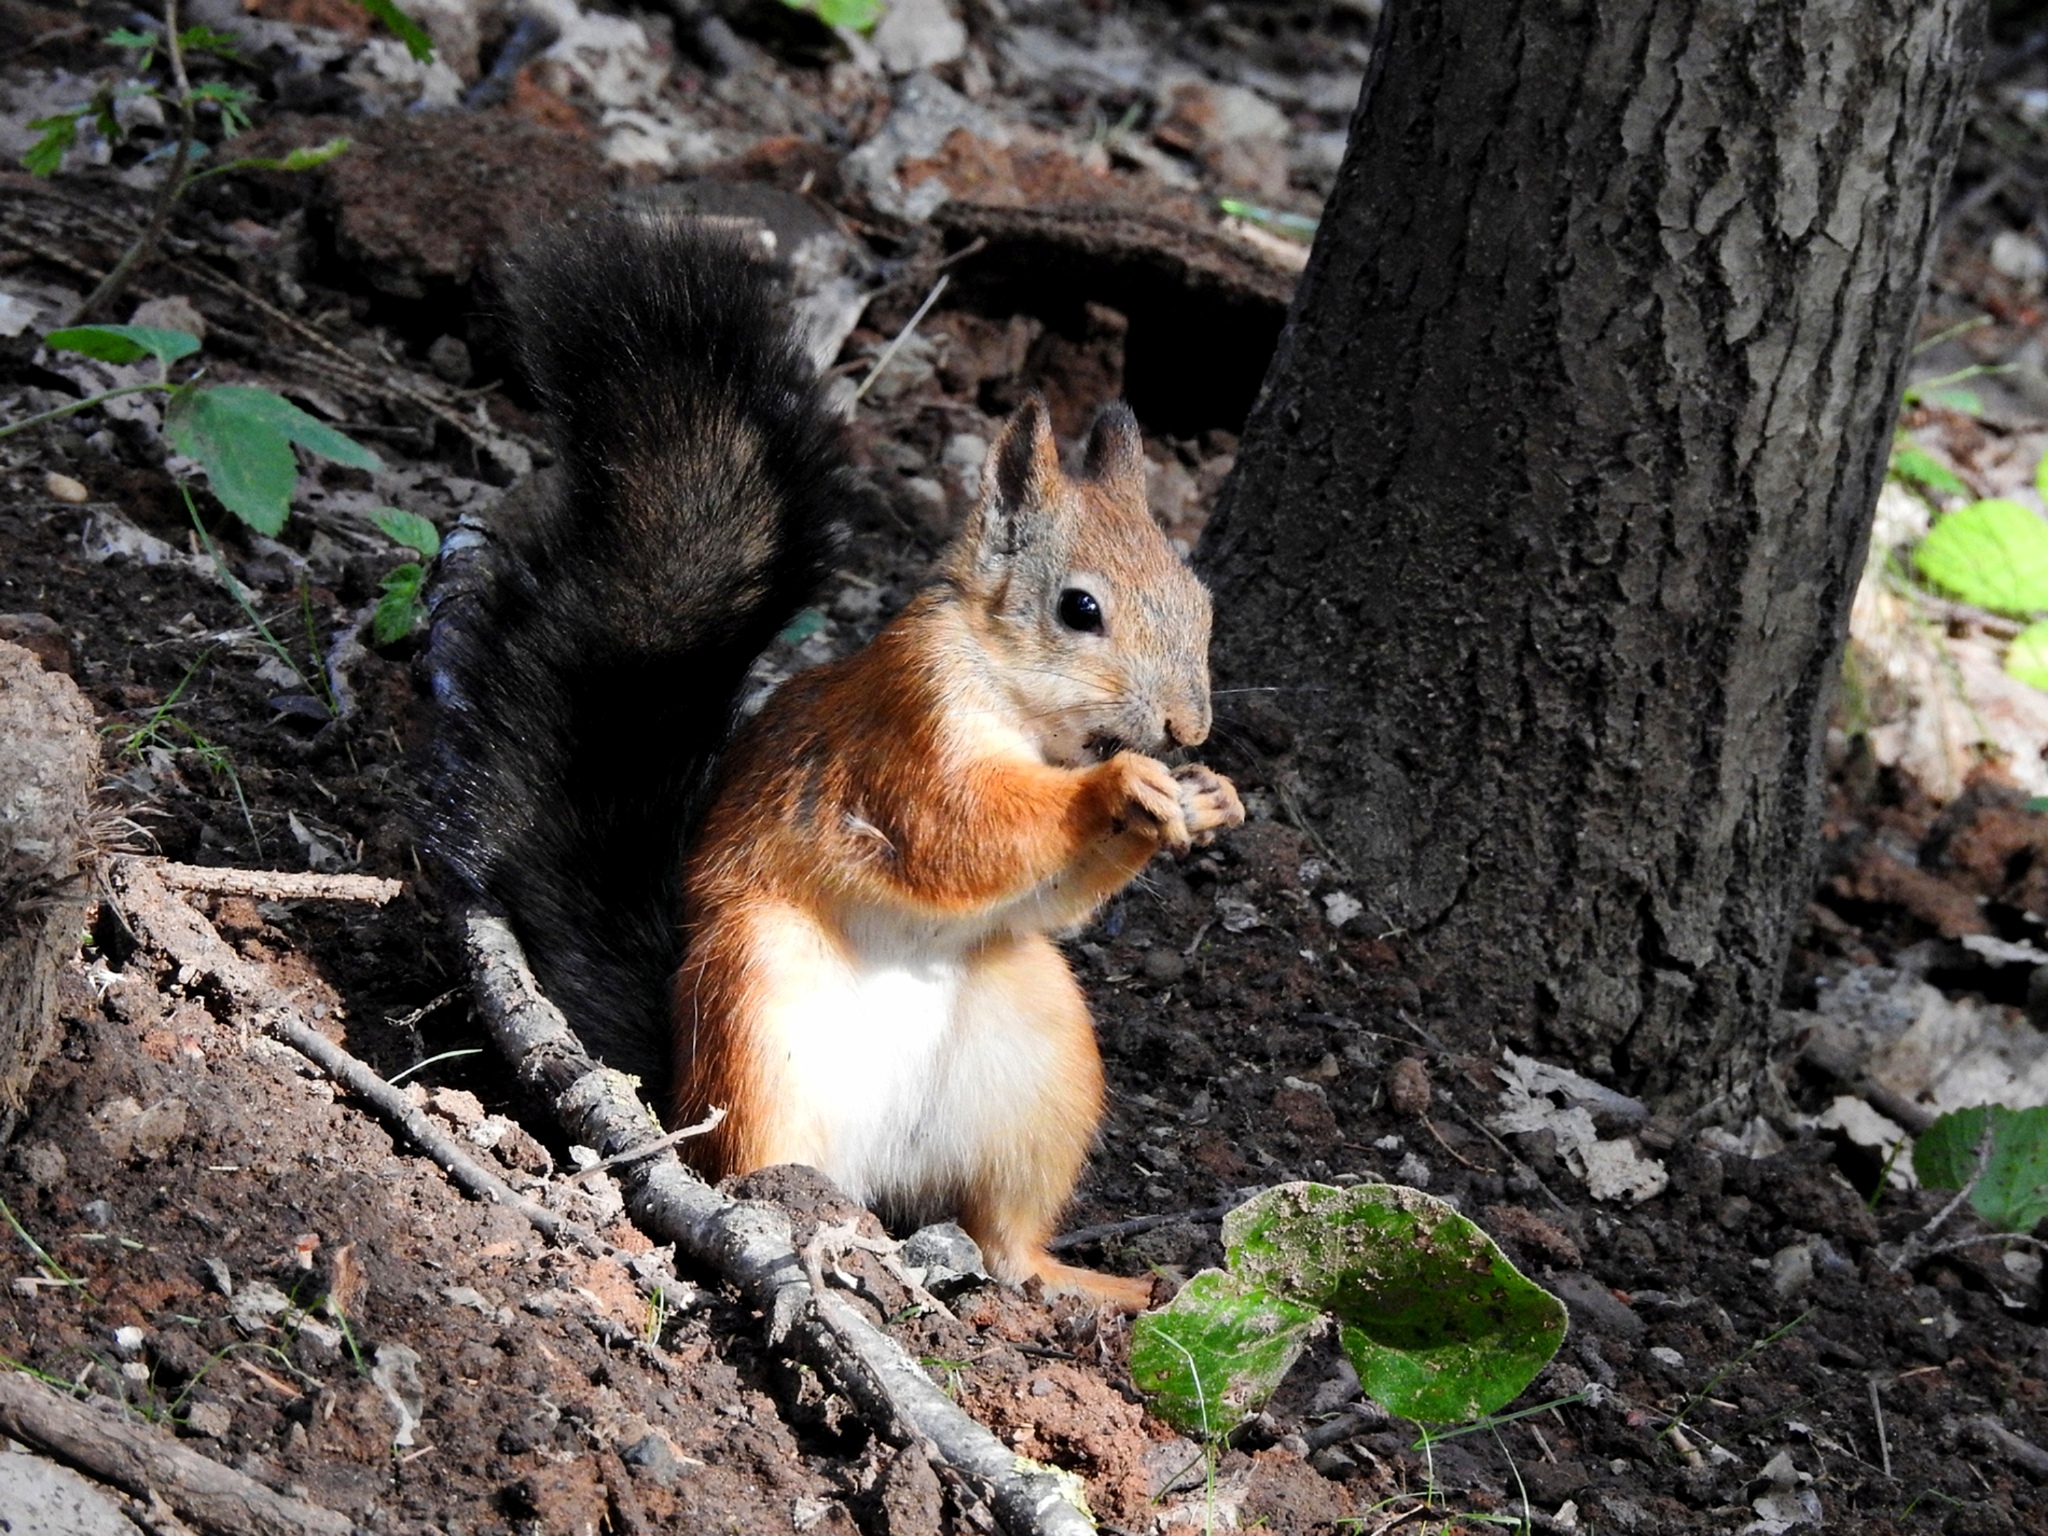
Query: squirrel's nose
[[1187, 727]]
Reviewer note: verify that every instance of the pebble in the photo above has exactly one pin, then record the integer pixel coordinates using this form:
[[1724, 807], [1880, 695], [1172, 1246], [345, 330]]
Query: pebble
[[1164, 966], [64, 488], [211, 1421], [918, 34], [2018, 257], [1792, 1269]]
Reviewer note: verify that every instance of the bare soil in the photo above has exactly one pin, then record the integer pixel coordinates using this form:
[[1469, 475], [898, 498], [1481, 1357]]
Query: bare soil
[[304, 1286]]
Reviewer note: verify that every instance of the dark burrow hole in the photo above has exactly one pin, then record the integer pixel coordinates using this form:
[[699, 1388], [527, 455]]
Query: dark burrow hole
[[1195, 352]]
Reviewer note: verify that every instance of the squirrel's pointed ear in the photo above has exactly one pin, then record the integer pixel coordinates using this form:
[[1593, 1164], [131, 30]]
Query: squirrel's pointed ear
[[1024, 465], [1116, 453]]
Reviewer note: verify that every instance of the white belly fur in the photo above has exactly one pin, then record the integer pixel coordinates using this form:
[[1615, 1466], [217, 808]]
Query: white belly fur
[[898, 1076]]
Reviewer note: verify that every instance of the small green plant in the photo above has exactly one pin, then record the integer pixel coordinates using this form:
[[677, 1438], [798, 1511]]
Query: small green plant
[[228, 103], [1992, 552], [163, 729], [1440, 1327], [400, 609], [2008, 1181], [243, 439], [53, 1272]]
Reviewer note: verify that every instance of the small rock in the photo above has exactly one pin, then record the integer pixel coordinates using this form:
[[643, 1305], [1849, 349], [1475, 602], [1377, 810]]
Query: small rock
[[458, 1105], [1597, 1309], [1408, 1087], [41, 1496], [1164, 966], [128, 1341], [40, 1162], [1524, 1226], [2018, 256], [1792, 1269], [1668, 1357], [449, 358], [1340, 907], [64, 488], [211, 1421], [1412, 1171], [917, 34], [950, 1259], [174, 313], [653, 1457]]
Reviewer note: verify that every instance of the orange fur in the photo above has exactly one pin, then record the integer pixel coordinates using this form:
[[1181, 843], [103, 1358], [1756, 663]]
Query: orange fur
[[896, 834]]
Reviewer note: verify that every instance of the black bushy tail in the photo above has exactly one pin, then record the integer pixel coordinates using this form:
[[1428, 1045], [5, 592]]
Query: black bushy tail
[[588, 662]]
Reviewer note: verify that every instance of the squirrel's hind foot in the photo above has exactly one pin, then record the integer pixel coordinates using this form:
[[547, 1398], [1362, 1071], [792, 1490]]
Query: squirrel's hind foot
[[1125, 1293]]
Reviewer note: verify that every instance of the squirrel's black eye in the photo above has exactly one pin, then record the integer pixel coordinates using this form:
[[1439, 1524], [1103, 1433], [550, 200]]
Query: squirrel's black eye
[[1078, 610]]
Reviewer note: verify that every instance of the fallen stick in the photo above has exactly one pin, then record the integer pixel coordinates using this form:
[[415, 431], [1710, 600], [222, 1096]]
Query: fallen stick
[[100, 1438], [278, 884], [2023, 1453], [749, 1242], [419, 1128], [1080, 1237]]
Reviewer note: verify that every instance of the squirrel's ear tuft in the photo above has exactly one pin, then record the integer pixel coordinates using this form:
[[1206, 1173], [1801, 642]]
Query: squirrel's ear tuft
[[1024, 465], [1116, 453]]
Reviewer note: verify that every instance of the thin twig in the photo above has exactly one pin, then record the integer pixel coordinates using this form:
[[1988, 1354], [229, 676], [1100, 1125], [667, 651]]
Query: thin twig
[[1912, 1251], [649, 1148], [889, 352], [280, 885], [1884, 1444], [1081, 1237]]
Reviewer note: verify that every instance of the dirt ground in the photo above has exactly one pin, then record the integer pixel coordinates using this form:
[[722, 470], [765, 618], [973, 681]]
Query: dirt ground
[[262, 1269]]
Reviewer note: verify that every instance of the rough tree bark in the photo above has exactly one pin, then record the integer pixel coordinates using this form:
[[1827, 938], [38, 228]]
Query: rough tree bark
[[1546, 524]]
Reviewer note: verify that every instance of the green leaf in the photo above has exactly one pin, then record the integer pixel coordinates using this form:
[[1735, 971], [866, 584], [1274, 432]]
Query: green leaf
[[2013, 1193], [124, 343], [203, 39], [1965, 402], [1440, 1326], [409, 529], [242, 438], [247, 460], [399, 610], [1216, 1352], [308, 156], [59, 133], [402, 26], [145, 43], [2027, 657], [861, 15], [1992, 553], [1916, 466], [232, 100]]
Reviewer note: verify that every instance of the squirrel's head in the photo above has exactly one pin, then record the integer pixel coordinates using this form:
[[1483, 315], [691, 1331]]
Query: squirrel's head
[[1098, 632]]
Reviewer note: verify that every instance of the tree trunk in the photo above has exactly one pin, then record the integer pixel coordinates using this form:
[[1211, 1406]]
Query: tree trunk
[[1545, 527]]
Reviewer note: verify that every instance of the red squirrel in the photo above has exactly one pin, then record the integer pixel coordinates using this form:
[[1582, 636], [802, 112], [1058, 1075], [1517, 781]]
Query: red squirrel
[[840, 913]]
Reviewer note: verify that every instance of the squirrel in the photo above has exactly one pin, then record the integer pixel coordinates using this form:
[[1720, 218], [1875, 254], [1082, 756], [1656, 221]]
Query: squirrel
[[833, 920]]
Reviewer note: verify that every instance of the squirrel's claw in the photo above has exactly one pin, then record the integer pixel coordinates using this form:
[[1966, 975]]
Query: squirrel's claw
[[1208, 802]]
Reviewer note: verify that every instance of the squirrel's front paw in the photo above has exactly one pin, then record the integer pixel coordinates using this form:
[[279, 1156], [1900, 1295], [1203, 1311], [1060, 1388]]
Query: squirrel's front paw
[[1151, 798], [1208, 801]]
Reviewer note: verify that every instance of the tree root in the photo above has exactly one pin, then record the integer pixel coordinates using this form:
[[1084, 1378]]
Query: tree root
[[749, 1243]]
